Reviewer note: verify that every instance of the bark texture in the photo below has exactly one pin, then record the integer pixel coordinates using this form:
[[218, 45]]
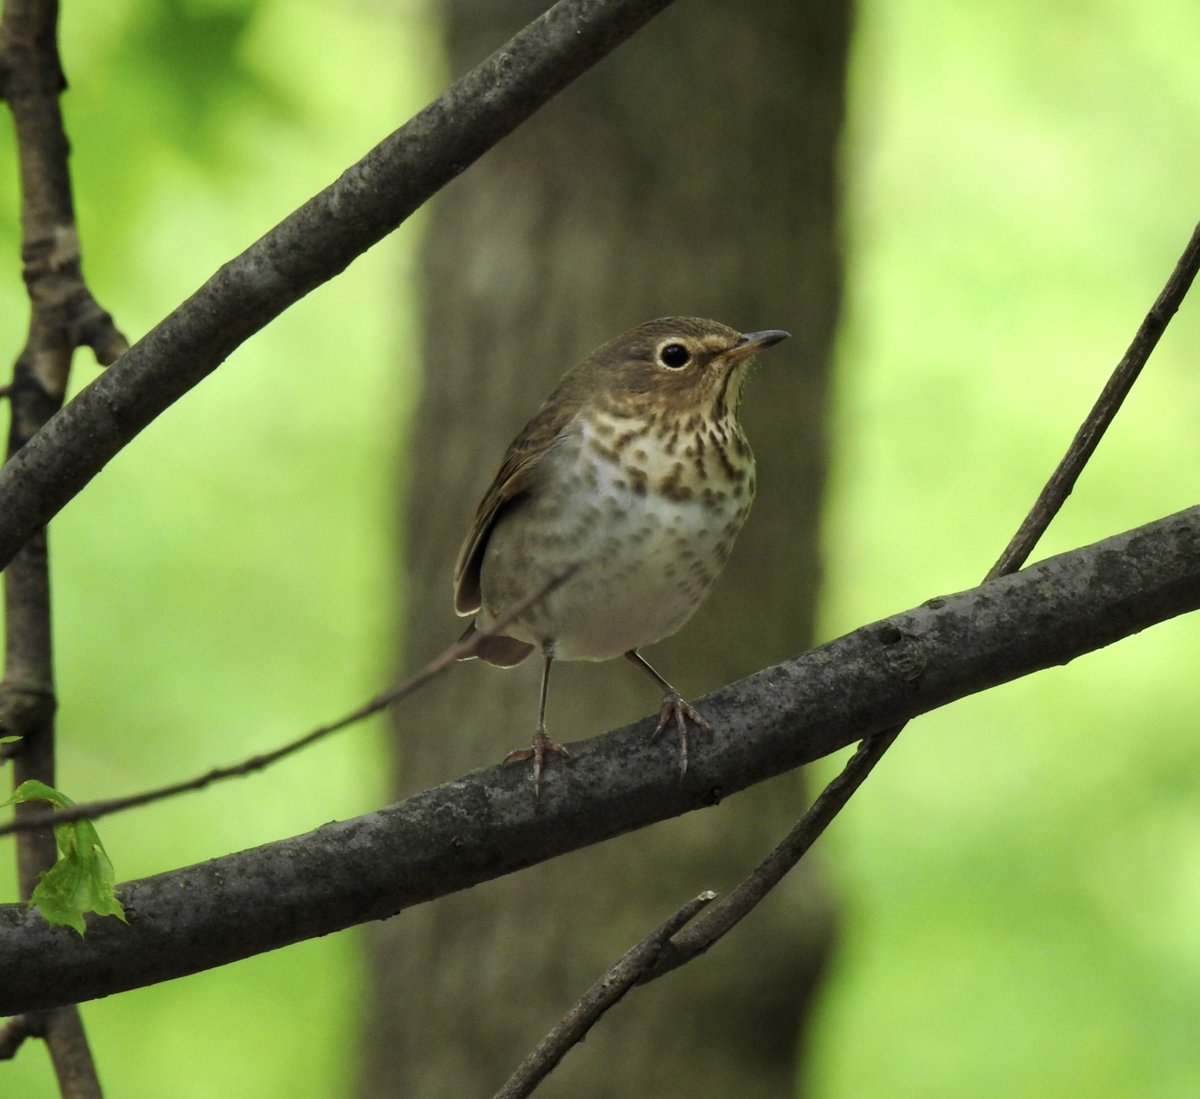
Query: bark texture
[[693, 172]]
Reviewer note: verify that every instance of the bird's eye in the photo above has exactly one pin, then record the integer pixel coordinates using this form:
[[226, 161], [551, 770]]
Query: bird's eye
[[674, 355]]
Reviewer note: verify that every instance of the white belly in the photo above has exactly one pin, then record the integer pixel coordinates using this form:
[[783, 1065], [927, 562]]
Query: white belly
[[645, 562]]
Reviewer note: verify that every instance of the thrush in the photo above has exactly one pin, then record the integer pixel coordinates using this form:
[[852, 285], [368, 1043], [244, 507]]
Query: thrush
[[634, 478]]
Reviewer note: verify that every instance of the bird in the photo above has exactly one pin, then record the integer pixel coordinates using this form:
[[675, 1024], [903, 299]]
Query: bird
[[614, 510]]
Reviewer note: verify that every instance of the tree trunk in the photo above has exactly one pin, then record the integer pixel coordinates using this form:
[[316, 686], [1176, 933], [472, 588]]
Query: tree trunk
[[694, 172]]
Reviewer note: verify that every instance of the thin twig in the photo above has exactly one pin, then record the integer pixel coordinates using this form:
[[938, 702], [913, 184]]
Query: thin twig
[[1088, 437], [627, 971], [743, 899], [460, 650]]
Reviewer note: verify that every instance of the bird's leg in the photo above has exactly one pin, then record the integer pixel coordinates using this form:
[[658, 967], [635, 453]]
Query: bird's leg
[[541, 742], [673, 708]]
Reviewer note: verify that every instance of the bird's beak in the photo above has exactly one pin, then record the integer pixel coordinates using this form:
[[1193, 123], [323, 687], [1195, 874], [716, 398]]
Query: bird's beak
[[754, 342]]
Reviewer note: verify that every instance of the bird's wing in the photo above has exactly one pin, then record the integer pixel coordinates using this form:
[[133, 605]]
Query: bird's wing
[[512, 481], [517, 474]]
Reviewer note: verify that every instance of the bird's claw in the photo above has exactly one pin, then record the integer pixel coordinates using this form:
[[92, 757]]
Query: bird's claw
[[537, 752], [674, 709]]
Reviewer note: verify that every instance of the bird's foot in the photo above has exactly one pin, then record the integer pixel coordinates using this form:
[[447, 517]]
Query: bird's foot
[[537, 752], [674, 709]]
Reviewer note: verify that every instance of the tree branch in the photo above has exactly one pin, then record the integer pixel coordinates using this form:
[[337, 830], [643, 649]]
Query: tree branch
[[63, 316], [1108, 404], [618, 979], [306, 249], [485, 824], [14, 1032]]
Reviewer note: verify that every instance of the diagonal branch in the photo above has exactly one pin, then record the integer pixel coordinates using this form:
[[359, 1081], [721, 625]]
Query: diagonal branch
[[1108, 404], [485, 824], [693, 941], [307, 248], [617, 980]]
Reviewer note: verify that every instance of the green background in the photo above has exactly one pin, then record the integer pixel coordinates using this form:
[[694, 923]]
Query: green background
[[1020, 881]]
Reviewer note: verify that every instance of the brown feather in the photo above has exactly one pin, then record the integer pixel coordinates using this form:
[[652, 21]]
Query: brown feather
[[517, 474], [504, 652]]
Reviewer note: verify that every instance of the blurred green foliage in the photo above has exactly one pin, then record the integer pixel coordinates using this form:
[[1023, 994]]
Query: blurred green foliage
[[1020, 879]]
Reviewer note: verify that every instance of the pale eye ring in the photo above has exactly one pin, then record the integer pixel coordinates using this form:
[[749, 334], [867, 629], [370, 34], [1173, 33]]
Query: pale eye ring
[[674, 355]]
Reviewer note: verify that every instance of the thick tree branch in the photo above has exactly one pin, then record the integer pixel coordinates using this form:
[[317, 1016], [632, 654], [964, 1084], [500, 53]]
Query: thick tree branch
[[306, 249], [485, 824]]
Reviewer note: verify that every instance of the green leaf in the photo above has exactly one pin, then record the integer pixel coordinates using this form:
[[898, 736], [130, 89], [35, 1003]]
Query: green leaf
[[9, 739], [82, 880], [32, 790]]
